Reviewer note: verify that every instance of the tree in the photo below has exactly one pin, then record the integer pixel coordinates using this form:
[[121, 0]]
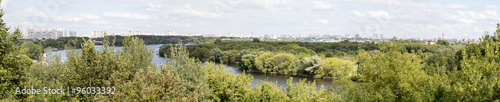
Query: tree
[[200, 53], [137, 52], [390, 75], [443, 42], [218, 41], [310, 64], [256, 40], [216, 55], [282, 63], [262, 62], [230, 57], [164, 50], [329, 54], [33, 51], [335, 68], [12, 62]]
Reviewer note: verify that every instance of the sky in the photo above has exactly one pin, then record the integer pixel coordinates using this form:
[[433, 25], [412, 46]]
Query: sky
[[399, 18]]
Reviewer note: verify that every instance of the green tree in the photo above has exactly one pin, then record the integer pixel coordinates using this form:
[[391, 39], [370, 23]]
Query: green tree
[[12, 62], [311, 64], [443, 42], [248, 61], [390, 75], [329, 54], [137, 52], [217, 55], [230, 57], [335, 68], [218, 41], [263, 62], [33, 51], [282, 63], [201, 54], [164, 50], [256, 40], [189, 71]]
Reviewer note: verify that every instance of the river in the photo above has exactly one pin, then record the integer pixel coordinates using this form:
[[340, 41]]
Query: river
[[257, 77]]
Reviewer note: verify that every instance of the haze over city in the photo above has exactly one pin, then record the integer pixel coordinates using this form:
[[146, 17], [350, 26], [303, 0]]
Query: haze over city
[[400, 18]]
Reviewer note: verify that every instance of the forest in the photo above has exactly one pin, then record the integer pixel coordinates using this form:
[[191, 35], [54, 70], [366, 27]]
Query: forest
[[307, 59], [398, 70]]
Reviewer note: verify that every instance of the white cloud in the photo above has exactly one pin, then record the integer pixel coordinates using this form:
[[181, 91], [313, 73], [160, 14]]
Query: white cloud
[[468, 16], [322, 6], [323, 21], [127, 15], [77, 18], [153, 7], [364, 17], [188, 11], [99, 22]]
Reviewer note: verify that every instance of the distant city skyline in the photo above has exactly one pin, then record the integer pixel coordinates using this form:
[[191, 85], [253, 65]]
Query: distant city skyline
[[400, 18]]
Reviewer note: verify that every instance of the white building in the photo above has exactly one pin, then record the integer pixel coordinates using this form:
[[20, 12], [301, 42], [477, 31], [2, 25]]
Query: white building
[[97, 34], [49, 33]]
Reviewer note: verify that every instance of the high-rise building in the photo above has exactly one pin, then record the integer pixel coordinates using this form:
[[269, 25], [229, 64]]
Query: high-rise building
[[375, 36], [97, 34], [49, 33]]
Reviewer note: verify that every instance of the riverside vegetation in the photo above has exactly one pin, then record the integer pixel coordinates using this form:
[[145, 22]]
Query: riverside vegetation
[[395, 71]]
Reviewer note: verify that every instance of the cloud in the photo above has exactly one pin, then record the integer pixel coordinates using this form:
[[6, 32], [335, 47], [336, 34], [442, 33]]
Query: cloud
[[188, 11], [322, 6], [99, 22], [469, 16], [364, 17], [323, 21], [153, 7], [128, 15], [77, 18]]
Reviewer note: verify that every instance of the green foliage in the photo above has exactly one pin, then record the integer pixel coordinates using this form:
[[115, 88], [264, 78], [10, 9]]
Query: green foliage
[[339, 54], [390, 76], [151, 85], [200, 53], [164, 50], [443, 42], [329, 54], [230, 57], [225, 86], [189, 72], [256, 40], [335, 68], [48, 72], [12, 62], [32, 50], [262, 62], [310, 65], [248, 62], [296, 49], [218, 41], [216, 55], [137, 51]]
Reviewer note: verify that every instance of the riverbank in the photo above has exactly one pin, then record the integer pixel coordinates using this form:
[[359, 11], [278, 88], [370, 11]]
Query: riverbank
[[303, 76]]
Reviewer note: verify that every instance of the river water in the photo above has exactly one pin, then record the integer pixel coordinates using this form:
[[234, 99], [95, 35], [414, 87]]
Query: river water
[[257, 77]]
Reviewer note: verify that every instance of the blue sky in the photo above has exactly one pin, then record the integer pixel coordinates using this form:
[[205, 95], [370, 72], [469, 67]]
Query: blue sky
[[400, 18]]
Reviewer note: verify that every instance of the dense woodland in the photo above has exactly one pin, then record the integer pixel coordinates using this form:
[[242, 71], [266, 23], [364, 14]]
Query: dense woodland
[[398, 70], [309, 59]]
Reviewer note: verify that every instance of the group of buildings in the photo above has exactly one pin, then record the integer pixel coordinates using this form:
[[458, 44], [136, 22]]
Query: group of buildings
[[33, 33], [48, 33]]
